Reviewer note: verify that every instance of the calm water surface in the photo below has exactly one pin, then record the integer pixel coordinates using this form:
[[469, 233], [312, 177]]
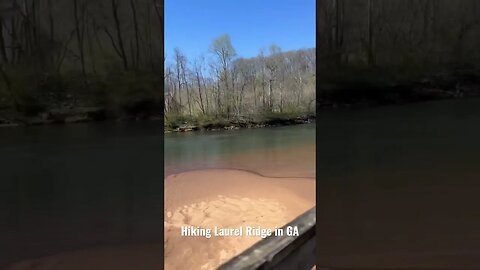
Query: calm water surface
[[400, 186], [278, 151], [77, 186], [68, 187]]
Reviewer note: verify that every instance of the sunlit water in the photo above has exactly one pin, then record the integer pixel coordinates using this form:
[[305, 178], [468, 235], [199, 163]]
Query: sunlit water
[[277, 151]]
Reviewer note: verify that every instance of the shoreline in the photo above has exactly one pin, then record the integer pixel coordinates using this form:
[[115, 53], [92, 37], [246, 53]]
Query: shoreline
[[288, 161], [239, 170], [274, 120], [322, 106]]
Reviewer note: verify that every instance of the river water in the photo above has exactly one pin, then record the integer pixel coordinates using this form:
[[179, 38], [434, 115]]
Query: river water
[[279, 151], [398, 187], [71, 187]]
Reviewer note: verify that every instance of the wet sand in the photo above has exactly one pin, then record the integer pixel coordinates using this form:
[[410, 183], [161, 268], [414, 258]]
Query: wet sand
[[226, 199]]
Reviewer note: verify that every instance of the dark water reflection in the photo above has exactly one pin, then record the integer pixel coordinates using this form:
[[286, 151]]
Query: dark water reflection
[[400, 186], [68, 187]]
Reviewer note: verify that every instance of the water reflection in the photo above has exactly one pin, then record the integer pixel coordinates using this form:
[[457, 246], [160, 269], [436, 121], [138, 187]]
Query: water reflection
[[399, 186], [79, 186]]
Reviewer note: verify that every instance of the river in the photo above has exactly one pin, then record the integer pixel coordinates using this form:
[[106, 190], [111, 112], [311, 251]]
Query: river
[[276, 152], [399, 186], [65, 188]]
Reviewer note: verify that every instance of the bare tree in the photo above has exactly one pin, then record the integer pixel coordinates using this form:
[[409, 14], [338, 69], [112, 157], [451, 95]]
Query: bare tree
[[121, 47], [222, 48]]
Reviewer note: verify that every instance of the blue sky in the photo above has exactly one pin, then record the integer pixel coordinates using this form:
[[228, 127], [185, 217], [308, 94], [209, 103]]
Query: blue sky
[[192, 25]]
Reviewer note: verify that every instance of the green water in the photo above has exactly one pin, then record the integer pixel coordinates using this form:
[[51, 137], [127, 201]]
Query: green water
[[185, 151]]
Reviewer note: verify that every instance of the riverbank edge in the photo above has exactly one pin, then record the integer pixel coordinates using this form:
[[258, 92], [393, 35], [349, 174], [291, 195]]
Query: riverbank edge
[[85, 115], [272, 120], [329, 98]]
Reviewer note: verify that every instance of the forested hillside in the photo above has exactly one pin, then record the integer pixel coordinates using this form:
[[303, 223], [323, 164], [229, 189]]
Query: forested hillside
[[224, 86], [384, 33], [75, 59], [393, 51], [78, 60]]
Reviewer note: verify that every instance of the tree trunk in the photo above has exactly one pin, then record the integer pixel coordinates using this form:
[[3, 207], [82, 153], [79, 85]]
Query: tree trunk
[[3, 49], [254, 94], [137, 35], [200, 92], [121, 45], [270, 95], [207, 111], [371, 54], [79, 34]]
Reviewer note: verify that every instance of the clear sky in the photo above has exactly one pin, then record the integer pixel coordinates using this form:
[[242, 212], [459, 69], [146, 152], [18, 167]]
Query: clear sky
[[192, 25]]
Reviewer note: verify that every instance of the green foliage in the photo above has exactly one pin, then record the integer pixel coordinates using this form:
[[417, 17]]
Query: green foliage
[[223, 45], [209, 122], [173, 121]]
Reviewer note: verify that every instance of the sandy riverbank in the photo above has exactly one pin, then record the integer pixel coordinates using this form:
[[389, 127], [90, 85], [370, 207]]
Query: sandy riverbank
[[205, 198], [226, 199]]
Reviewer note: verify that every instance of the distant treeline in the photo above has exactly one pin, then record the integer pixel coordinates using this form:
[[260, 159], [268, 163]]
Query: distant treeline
[[227, 86], [405, 33], [57, 56], [375, 52], [68, 53]]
